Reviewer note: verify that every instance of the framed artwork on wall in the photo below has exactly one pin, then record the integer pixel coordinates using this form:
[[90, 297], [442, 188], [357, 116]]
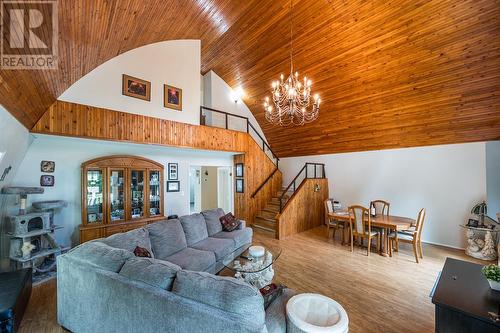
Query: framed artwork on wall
[[240, 186], [172, 97], [239, 170], [173, 171], [173, 186], [47, 166], [134, 87], [47, 180]]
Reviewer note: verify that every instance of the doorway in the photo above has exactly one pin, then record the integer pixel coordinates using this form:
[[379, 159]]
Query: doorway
[[210, 187], [194, 189]]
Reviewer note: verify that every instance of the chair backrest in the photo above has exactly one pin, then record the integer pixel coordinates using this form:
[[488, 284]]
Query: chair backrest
[[420, 222], [360, 219], [381, 207], [328, 209]]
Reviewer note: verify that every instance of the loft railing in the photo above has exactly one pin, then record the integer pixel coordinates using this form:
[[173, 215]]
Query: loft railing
[[216, 118], [306, 173]]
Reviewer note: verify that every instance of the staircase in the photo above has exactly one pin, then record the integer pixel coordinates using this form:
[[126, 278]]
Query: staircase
[[265, 219]]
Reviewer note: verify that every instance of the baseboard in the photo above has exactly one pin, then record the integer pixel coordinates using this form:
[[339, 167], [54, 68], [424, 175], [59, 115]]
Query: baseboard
[[444, 245]]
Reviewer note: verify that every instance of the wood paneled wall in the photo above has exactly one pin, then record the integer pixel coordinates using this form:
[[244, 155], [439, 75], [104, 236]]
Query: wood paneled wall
[[259, 167], [305, 210], [83, 121]]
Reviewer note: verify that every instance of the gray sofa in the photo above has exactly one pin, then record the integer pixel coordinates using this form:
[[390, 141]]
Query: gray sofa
[[103, 287]]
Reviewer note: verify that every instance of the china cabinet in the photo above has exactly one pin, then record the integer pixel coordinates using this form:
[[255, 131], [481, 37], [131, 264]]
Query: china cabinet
[[120, 193]]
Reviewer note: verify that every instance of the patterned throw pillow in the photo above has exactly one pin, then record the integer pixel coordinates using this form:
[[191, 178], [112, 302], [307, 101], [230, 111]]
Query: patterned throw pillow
[[229, 222], [142, 252]]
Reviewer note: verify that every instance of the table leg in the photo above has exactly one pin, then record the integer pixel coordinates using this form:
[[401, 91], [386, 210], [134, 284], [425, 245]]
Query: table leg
[[385, 242]]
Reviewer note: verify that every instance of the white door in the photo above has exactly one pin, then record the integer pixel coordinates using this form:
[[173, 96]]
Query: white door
[[225, 189]]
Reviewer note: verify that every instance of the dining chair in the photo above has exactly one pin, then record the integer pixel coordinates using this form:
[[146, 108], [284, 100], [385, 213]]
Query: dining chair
[[360, 226], [411, 236], [332, 223], [381, 207]]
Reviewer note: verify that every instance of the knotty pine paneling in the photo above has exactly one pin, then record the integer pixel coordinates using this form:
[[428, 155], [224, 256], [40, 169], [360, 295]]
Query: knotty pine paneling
[[390, 73], [77, 120], [305, 210]]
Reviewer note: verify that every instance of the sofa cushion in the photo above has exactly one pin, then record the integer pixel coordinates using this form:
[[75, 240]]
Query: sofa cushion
[[220, 246], [212, 217], [193, 259], [226, 293], [129, 240], [101, 255], [155, 272], [239, 237], [167, 238], [194, 227]]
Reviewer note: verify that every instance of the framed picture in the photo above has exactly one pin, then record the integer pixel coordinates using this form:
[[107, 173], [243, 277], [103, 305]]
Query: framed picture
[[134, 87], [240, 186], [239, 169], [47, 166], [172, 97], [173, 169], [47, 180], [173, 186]]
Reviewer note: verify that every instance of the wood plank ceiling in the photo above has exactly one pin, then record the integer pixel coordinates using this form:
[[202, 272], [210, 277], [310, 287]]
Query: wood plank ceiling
[[390, 74]]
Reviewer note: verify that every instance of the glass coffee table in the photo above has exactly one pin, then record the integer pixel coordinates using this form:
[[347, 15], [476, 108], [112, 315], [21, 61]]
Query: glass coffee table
[[254, 269]]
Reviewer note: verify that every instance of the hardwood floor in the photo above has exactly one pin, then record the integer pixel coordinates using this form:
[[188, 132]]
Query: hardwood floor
[[380, 294]]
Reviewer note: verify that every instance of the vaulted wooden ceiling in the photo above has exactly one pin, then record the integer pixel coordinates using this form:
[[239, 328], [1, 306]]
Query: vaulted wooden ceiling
[[390, 74]]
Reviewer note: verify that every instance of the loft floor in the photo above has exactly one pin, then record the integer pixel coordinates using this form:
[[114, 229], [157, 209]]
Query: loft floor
[[379, 294]]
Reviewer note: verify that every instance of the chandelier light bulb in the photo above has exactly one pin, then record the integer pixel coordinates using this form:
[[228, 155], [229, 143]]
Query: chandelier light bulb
[[282, 77]]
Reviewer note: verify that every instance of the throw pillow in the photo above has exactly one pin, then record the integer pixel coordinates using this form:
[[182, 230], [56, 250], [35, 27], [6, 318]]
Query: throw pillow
[[229, 222], [142, 252], [270, 293]]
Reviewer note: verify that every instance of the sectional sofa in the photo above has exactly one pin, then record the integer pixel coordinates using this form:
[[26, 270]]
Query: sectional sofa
[[103, 287]]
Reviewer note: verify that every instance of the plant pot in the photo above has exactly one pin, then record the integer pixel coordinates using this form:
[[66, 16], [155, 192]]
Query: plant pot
[[494, 285]]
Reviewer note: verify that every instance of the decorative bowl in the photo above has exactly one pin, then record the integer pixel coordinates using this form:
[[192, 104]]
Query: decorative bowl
[[256, 251], [494, 285]]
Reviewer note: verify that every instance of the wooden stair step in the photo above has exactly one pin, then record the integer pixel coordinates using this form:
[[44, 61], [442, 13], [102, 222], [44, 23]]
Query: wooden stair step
[[265, 222], [268, 213], [271, 231]]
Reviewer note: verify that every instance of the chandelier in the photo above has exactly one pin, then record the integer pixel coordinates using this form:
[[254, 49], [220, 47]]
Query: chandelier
[[291, 97]]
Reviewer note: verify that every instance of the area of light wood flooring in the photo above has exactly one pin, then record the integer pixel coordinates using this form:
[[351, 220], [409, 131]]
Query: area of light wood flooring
[[379, 294]]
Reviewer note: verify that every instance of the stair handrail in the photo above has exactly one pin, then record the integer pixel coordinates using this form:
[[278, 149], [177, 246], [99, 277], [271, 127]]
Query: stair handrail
[[248, 127], [322, 165], [264, 182]]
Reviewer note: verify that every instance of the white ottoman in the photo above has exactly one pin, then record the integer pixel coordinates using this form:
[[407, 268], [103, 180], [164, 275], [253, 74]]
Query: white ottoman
[[314, 313]]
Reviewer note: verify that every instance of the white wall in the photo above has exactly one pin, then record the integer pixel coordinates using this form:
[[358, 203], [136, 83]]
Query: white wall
[[70, 153], [14, 142], [176, 63], [217, 94], [493, 177], [447, 180]]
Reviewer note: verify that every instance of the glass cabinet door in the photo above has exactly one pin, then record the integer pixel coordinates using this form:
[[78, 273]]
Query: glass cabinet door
[[137, 193], [154, 193], [94, 196], [116, 195]]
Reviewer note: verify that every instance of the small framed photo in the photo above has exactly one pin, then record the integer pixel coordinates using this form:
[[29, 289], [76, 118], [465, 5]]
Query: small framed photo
[[134, 87], [48, 166], [240, 186], [239, 169], [47, 180], [173, 171], [173, 186], [172, 97]]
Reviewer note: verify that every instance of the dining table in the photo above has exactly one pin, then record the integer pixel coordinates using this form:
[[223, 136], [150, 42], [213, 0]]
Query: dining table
[[385, 222]]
